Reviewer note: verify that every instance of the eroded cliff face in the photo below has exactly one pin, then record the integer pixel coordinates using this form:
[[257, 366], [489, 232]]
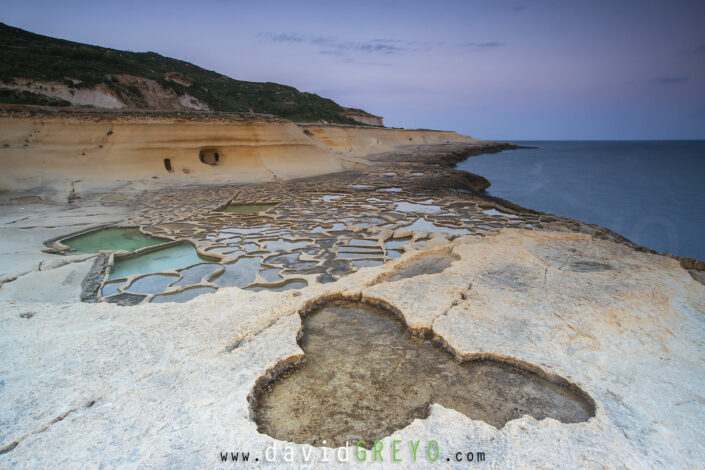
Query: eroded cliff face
[[365, 118], [148, 94], [361, 141], [102, 151]]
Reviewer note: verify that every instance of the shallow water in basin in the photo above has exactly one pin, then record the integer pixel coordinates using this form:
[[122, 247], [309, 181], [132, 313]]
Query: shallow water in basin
[[396, 243], [284, 245], [128, 239], [393, 254], [363, 376], [240, 273], [270, 274], [195, 274], [111, 288], [424, 225], [173, 257], [152, 284]]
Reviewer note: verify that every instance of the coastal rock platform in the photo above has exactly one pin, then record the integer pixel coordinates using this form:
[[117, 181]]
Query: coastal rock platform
[[172, 385], [168, 385]]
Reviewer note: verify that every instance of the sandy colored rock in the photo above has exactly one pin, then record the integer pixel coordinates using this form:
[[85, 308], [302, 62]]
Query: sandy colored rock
[[360, 141], [92, 151]]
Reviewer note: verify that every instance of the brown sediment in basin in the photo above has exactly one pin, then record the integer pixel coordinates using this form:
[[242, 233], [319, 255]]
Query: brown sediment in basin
[[364, 376]]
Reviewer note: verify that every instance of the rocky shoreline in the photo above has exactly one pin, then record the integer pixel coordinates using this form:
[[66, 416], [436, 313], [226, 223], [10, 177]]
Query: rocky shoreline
[[173, 384]]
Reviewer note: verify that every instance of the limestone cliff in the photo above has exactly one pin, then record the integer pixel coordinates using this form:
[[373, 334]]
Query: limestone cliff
[[56, 151], [363, 117]]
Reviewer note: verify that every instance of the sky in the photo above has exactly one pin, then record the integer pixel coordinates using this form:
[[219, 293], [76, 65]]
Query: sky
[[517, 70]]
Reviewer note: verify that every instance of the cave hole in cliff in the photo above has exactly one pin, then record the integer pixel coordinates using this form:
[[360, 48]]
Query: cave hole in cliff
[[365, 375], [209, 156], [167, 165]]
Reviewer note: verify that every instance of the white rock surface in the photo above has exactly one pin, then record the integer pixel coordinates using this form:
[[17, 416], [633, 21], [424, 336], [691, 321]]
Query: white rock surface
[[167, 385], [419, 208], [58, 285]]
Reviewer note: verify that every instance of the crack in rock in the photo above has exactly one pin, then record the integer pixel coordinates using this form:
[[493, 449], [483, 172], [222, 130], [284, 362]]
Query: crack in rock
[[9, 447]]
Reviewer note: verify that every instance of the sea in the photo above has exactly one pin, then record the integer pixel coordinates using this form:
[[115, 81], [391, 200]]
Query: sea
[[651, 192]]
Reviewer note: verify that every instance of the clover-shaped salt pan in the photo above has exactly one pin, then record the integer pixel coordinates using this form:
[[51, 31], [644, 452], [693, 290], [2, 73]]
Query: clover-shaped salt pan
[[364, 376]]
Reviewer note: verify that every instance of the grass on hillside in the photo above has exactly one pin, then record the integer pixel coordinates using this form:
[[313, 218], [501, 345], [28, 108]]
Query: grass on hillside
[[40, 58]]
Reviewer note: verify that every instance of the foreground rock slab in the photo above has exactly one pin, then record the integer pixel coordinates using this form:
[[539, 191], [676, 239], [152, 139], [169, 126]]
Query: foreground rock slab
[[169, 385]]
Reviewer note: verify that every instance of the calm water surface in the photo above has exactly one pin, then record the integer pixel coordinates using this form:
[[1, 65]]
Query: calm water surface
[[651, 192]]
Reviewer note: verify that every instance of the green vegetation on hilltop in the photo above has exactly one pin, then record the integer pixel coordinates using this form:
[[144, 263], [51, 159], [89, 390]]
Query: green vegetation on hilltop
[[26, 97], [36, 58]]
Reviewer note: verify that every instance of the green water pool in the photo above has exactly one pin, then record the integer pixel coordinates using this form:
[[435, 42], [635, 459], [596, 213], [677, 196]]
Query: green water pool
[[174, 257], [129, 239]]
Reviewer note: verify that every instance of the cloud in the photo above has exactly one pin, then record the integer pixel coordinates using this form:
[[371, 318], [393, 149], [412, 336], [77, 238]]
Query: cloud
[[670, 80], [356, 50], [282, 37], [482, 45], [335, 46]]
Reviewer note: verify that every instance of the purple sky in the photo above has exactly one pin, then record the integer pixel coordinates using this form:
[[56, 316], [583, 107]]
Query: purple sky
[[491, 69]]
